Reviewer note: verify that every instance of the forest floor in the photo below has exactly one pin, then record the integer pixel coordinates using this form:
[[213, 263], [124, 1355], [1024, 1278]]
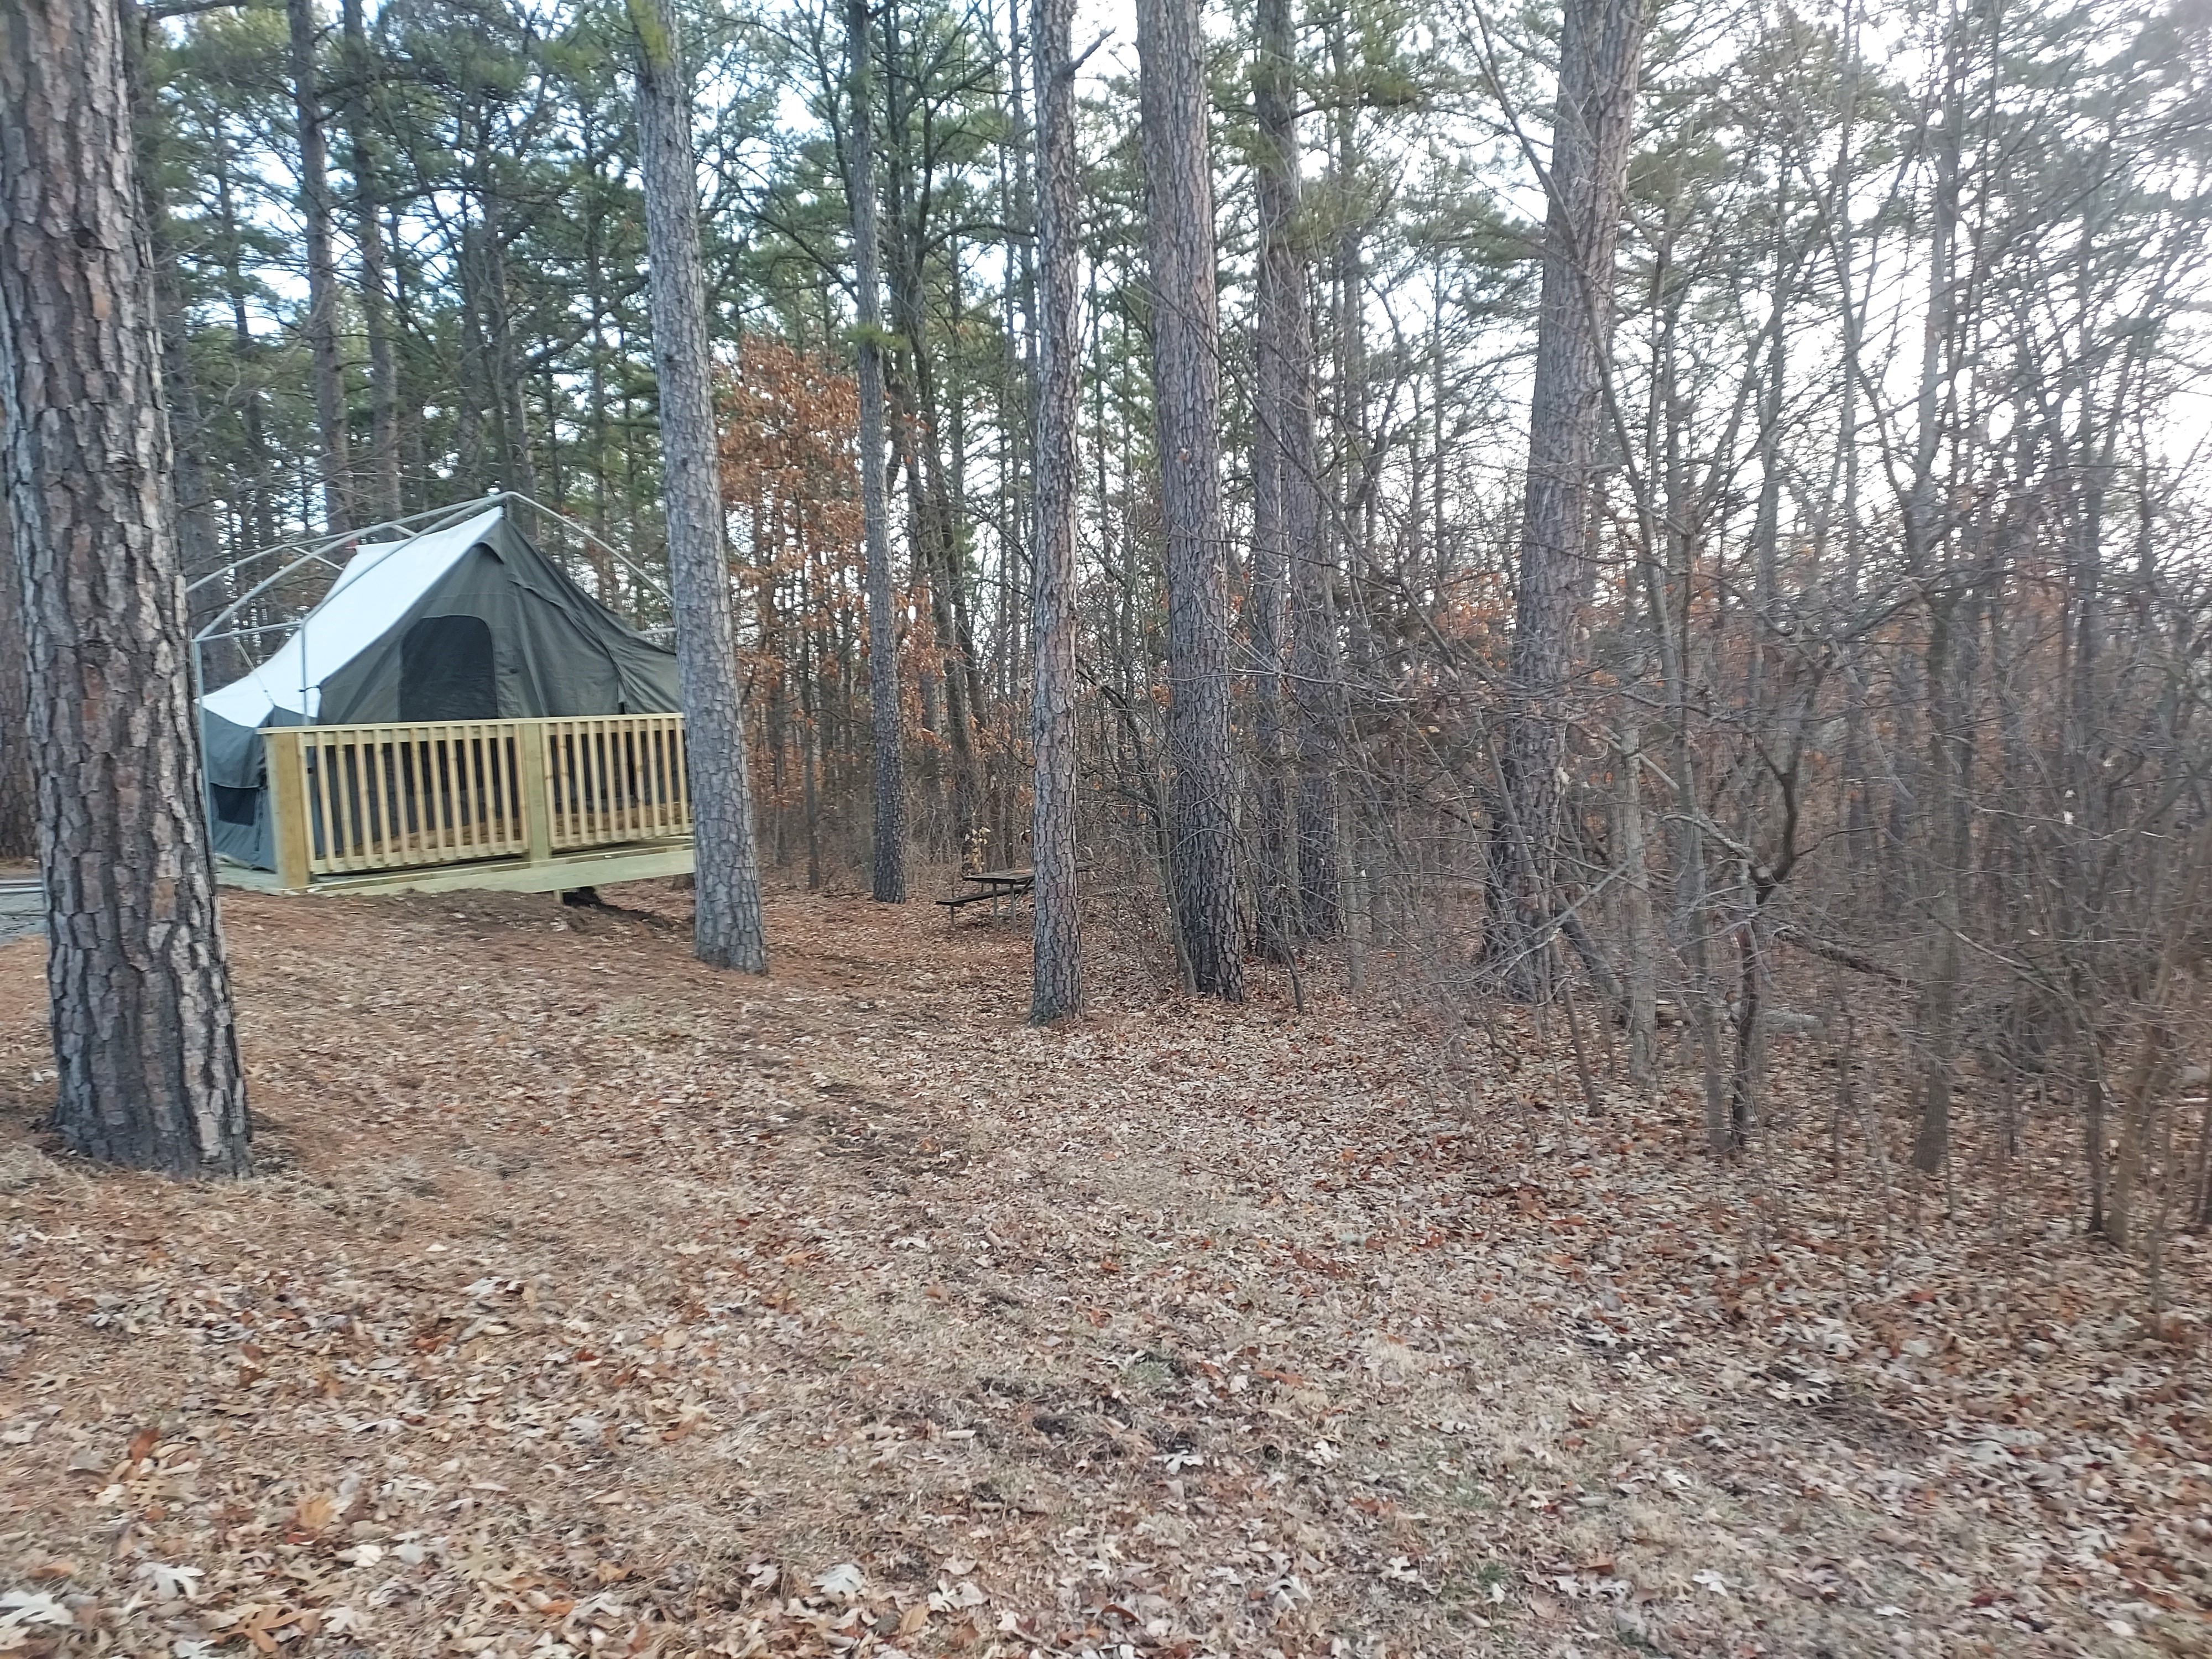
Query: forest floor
[[590, 1301]]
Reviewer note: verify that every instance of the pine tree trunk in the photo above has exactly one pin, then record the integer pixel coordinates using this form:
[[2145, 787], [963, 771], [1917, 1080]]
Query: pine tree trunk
[[1281, 355], [1186, 379], [1942, 875], [414, 452], [517, 468], [1941, 871], [147, 1052], [199, 545], [322, 268], [963, 702], [198, 549], [475, 377], [1640, 943], [1024, 325], [1316, 666], [931, 514], [885, 716], [1056, 978], [727, 927], [382, 499], [1600, 54]]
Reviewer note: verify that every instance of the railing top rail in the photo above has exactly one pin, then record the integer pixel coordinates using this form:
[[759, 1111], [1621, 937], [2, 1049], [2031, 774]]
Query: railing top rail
[[505, 722]]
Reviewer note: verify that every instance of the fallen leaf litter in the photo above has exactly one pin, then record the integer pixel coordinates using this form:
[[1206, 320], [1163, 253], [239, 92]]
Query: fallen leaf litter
[[593, 1301]]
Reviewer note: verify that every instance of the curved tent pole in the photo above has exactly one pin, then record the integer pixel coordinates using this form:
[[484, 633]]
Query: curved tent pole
[[445, 517], [259, 554], [319, 545], [319, 552]]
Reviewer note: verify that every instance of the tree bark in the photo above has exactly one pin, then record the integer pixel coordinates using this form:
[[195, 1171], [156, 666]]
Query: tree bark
[[322, 268], [885, 716], [728, 929], [1186, 379], [1599, 53], [144, 1038], [1056, 976]]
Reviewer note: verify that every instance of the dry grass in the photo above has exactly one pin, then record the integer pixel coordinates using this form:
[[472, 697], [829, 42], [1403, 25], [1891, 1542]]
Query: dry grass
[[594, 1302]]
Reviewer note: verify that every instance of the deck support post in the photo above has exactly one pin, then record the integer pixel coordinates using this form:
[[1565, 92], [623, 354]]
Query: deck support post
[[536, 764], [286, 758]]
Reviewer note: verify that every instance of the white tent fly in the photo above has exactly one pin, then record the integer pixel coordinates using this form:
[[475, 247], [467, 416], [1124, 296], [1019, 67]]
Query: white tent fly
[[379, 585]]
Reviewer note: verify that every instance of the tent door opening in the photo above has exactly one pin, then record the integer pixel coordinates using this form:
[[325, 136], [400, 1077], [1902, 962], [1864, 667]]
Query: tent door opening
[[448, 671]]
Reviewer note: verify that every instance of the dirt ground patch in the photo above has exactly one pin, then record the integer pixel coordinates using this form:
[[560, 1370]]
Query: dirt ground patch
[[592, 1301]]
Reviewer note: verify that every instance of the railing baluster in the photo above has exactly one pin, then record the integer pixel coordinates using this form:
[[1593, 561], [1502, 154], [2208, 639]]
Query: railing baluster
[[378, 760], [603, 758], [442, 792], [328, 796], [483, 762], [424, 841]]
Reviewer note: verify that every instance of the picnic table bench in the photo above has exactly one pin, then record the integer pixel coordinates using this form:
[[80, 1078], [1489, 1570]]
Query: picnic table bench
[[991, 886], [22, 908]]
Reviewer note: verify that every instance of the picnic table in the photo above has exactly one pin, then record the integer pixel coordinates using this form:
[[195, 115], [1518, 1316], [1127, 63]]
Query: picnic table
[[991, 886], [22, 908]]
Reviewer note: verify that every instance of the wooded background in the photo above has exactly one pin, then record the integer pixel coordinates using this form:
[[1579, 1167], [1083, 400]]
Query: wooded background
[[1834, 606]]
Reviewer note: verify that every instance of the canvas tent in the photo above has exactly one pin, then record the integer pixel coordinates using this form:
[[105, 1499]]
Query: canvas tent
[[467, 623]]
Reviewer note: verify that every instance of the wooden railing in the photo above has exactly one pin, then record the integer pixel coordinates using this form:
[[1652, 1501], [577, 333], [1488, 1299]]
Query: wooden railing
[[351, 799]]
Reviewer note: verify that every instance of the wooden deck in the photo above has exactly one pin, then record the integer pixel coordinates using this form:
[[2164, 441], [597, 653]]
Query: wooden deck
[[527, 806], [552, 875]]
